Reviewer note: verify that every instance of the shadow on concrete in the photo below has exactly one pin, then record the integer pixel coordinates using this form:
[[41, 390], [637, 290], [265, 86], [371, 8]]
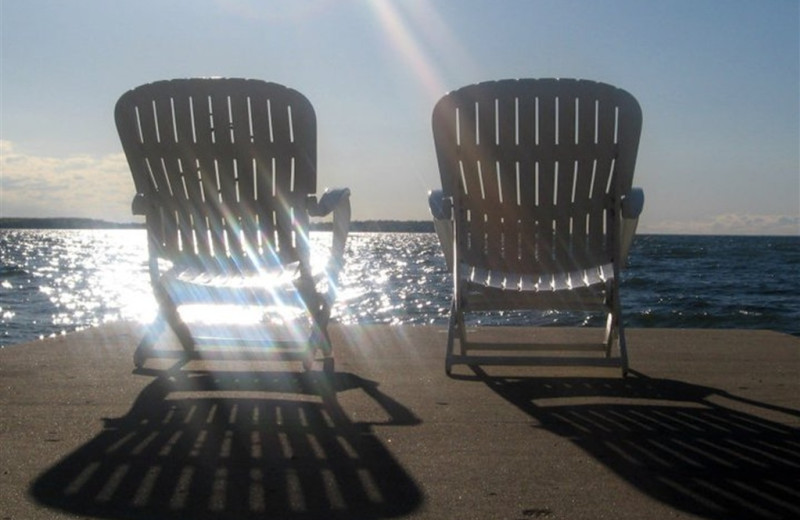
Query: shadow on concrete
[[237, 445], [688, 446]]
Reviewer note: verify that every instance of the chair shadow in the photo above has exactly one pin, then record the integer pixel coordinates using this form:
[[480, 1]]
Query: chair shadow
[[672, 440], [237, 445]]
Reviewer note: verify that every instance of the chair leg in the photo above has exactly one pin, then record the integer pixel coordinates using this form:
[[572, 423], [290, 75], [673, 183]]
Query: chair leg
[[461, 328], [623, 349], [180, 329], [611, 332], [169, 310], [320, 338], [615, 331], [151, 335], [620, 331], [451, 332]]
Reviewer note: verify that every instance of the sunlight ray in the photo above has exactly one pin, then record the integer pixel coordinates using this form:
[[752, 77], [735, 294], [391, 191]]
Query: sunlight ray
[[402, 38]]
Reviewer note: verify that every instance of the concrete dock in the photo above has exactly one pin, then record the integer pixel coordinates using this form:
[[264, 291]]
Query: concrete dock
[[707, 426]]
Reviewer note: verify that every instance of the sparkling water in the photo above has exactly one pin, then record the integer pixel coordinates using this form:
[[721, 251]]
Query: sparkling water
[[57, 281]]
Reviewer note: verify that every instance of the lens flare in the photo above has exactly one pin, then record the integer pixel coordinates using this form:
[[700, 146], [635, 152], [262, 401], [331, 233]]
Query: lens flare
[[416, 31]]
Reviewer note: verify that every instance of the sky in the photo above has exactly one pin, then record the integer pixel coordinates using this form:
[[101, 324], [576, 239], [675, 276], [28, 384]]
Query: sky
[[718, 82]]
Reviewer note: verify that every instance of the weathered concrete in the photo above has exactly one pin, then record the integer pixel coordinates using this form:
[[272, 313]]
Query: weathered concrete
[[708, 427]]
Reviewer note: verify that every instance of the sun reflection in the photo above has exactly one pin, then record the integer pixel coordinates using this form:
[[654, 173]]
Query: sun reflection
[[231, 314], [62, 281], [239, 318]]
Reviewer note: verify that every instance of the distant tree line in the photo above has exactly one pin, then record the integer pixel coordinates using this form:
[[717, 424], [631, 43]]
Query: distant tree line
[[381, 226], [363, 226], [64, 223]]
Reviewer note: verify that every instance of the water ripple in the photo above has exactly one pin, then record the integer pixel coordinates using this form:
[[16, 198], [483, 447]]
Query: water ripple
[[56, 281]]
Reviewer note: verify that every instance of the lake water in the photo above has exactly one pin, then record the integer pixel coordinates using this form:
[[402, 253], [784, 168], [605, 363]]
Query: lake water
[[57, 281]]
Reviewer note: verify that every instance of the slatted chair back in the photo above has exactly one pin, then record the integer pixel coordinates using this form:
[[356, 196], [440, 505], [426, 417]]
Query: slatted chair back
[[224, 169], [536, 169]]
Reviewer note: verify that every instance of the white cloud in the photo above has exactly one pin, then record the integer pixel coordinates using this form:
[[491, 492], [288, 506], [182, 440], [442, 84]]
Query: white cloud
[[729, 224], [101, 187], [76, 186]]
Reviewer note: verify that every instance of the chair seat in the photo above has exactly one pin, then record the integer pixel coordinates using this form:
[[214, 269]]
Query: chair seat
[[193, 286], [482, 298], [580, 290], [545, 282]]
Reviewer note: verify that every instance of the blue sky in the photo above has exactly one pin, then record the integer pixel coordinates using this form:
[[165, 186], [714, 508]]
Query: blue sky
[[718, 81]]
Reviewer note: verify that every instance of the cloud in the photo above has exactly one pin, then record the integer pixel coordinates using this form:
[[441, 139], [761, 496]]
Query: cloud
[[729, 224], [76, 186]]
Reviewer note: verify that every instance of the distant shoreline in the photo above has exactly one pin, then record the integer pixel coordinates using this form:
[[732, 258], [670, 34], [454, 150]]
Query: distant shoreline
[[64, 223], [377, 226], [359, 226]]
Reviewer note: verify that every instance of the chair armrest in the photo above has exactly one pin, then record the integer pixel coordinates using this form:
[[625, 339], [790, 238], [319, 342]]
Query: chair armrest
[[442, 210], [335, 201], [139, 205], [441, 207], [329, 201], [632, 203]]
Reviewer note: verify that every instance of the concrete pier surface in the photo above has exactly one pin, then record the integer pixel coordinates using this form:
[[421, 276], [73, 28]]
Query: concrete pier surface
[[707, 426]]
